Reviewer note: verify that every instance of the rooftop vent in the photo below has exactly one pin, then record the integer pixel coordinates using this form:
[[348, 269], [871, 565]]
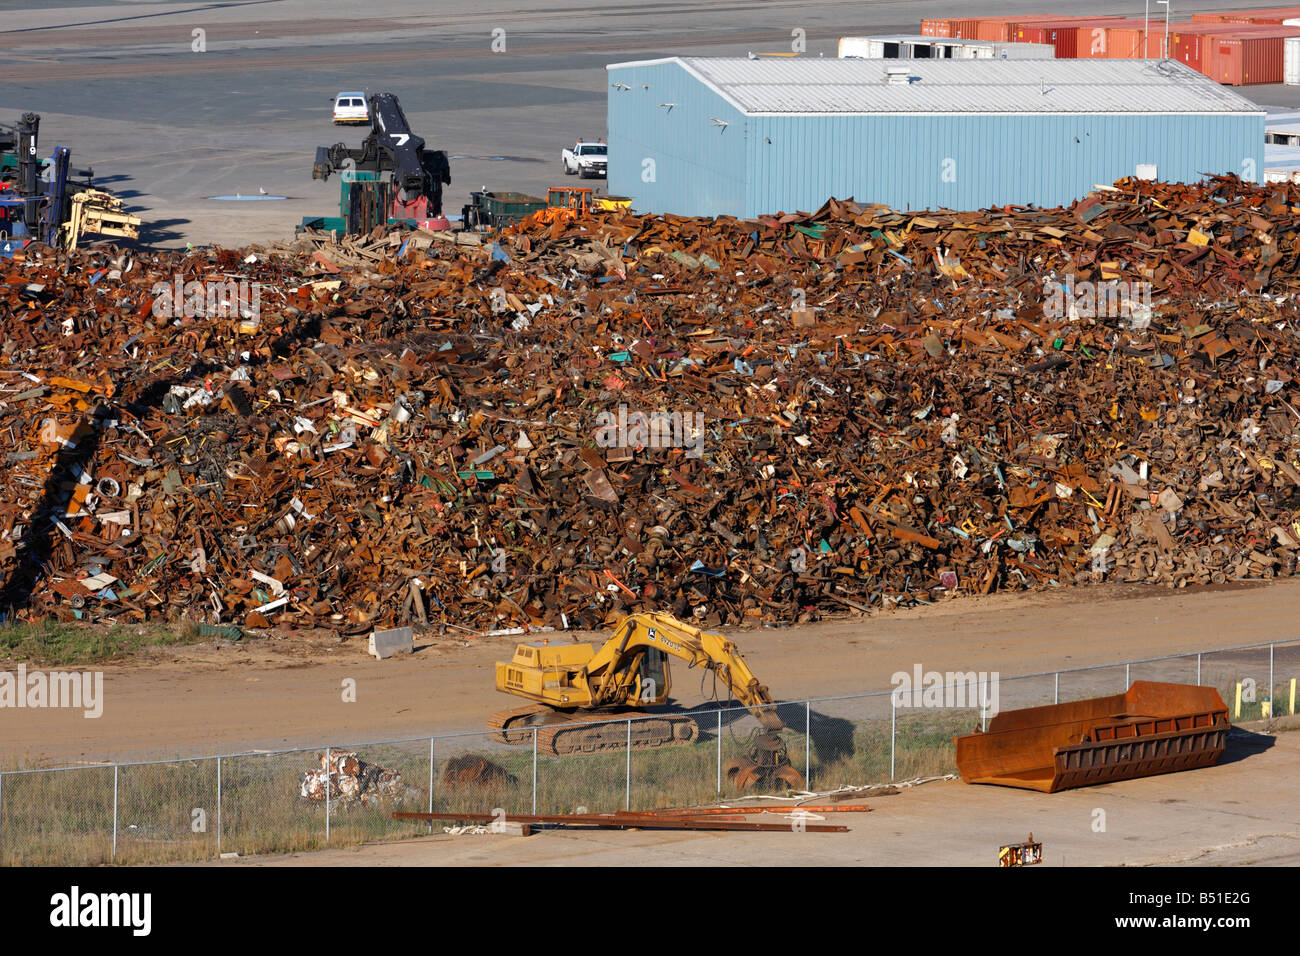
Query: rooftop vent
[[899, 75]]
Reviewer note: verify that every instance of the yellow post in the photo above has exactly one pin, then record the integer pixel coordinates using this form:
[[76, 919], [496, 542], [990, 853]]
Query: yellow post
[[1291, 709], [1266, 708], [1236, 710]]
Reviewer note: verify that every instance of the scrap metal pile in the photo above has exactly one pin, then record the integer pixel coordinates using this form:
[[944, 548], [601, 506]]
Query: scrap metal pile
[[343, 775], [740, 421]]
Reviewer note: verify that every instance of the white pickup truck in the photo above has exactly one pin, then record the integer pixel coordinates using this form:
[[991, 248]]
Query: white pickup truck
[[585, 159]]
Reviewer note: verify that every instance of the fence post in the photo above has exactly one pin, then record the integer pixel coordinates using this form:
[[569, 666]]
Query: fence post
[[327, 794], [218, 808], [115, 811], [719, 750], [1270, 686], [807, 744], [1198, 668], [431, 782], [1056, 694], [627, 796], [893, 722], [534, 771], [1127, 683]]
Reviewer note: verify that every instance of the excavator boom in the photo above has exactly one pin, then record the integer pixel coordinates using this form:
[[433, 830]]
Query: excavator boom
[[690, 644]]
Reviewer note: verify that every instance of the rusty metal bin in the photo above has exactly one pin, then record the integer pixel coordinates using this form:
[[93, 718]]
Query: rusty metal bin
[[1151, 728]]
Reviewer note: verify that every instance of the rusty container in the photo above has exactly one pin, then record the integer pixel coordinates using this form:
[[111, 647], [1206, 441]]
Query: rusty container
[[963, 28], [1265, 15], [1242, 59], [993, 29], [1062, 34], [1191, 42], [1150, 729], [1004, 29]]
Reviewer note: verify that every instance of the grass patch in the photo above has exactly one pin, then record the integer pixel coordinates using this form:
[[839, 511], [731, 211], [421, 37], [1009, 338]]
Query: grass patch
[[54, 643]]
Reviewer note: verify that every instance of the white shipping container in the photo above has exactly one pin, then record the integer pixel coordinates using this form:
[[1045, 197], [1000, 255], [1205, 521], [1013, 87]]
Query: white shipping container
[[1291, 61], [911, 47]]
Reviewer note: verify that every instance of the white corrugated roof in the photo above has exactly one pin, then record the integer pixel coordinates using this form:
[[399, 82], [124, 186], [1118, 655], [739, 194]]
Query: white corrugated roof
[[1281, 157], [811, 86], [1281, 121]]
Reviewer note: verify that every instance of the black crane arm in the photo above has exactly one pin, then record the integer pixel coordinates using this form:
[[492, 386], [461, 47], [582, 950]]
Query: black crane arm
[[392, 148]]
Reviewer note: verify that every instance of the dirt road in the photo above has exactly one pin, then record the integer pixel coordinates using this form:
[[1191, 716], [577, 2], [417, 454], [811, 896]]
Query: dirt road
[[209, 699]]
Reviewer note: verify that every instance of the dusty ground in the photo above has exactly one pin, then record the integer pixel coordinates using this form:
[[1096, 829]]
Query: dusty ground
[[1235, 813], [266, 693]]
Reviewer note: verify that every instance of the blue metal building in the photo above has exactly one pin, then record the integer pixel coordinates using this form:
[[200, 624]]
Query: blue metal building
[[745, 137]]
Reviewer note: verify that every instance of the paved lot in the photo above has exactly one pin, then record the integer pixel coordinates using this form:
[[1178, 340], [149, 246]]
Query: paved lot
[[166, 126]]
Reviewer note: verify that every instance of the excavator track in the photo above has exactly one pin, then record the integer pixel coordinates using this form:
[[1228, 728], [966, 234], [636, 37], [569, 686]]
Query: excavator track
[[515, 726], [598, 733]]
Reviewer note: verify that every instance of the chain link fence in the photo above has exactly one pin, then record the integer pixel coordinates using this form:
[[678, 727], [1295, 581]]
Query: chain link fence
[[266, 802]]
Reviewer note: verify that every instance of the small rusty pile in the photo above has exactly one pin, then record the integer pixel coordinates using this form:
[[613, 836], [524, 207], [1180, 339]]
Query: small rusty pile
[[736, 422], [345, 776]]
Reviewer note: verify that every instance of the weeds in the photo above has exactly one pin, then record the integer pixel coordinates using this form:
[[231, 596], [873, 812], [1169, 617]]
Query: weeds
[[53, 643]]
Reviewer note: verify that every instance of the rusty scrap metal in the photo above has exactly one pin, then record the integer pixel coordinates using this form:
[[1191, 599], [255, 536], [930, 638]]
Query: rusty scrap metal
[[343, 775], [1152, 728], [629, 821], [735, 422]]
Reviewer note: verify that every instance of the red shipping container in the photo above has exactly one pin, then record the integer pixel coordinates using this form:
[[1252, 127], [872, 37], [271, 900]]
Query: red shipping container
[[1188, 46], [963, 29], [1036, 29], [1003, 29], [1018, 22], [1125, 43], [992, 31], [1111, 39], [935, 28], [1063, 35], [1264, 15], [1243, 60], [1191, 40], [1091, 42]]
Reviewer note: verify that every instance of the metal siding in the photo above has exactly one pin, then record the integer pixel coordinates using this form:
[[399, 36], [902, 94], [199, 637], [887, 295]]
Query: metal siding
[[699, 167], [1000, 160], [894, 159]]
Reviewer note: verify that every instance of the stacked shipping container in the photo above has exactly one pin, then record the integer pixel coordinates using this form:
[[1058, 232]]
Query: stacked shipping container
[[1235, 47], [1238, 59], [1063, 35], [1257, 50], [1275, 15]]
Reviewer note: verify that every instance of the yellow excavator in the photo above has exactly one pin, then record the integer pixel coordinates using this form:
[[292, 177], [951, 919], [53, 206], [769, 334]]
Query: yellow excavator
[[577, 689]]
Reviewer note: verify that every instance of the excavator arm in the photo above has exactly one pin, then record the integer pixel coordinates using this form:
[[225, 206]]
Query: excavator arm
[[575, 687], [613, 681], [392, 147]]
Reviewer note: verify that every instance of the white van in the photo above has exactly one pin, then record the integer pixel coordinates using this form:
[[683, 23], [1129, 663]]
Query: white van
[[350, 109]]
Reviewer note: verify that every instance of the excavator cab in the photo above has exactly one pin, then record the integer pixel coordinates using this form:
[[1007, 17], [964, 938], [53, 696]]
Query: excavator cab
[[650, 675]]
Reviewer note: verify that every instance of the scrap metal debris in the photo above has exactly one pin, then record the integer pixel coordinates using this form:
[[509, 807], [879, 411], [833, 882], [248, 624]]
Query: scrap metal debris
[[345, 776], [736, 422], [471, 770]]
